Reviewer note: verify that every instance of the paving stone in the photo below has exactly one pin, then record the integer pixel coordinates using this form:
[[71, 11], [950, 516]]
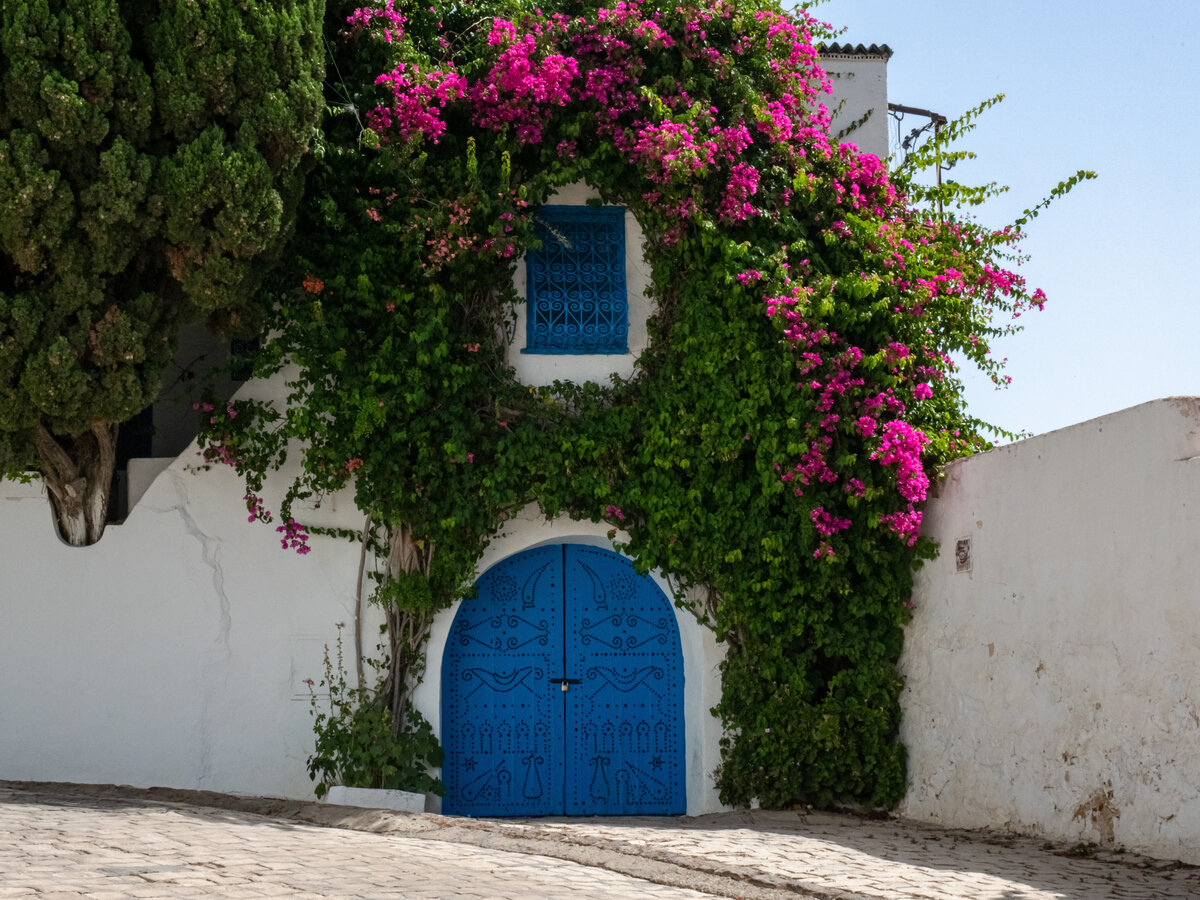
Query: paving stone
[[159, 848], [77, 842]]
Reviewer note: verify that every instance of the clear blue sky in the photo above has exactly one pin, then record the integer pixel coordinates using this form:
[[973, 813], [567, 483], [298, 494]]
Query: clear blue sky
[[1089, 84]]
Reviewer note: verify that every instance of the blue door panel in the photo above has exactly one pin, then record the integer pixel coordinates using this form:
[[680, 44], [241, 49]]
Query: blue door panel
[[502, 720], [624, 721], [518, 744]]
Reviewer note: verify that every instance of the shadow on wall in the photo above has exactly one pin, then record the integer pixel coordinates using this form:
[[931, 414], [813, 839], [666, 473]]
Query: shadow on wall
[[205, 367]]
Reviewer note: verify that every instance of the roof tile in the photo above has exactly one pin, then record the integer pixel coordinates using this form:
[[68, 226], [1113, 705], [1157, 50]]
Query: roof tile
[[837, 49]]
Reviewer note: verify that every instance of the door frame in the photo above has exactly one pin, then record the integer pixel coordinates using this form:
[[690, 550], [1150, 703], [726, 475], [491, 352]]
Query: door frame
[[701, 654]]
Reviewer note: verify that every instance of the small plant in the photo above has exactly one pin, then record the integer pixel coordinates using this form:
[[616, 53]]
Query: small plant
[[357, 743]]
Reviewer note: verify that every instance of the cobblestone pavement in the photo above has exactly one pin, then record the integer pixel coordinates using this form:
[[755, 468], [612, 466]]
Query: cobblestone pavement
[[53, 845], [105, 843]]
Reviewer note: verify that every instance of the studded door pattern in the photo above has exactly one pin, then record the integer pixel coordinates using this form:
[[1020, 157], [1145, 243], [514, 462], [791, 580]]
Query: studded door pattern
[[502, 724], [625, 742], [516, 743]]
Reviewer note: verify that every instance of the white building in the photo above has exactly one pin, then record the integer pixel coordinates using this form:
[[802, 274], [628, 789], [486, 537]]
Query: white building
[[859, 103], [1050, 663]]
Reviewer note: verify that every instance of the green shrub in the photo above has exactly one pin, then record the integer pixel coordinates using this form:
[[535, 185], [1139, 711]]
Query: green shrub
[[358, 744]]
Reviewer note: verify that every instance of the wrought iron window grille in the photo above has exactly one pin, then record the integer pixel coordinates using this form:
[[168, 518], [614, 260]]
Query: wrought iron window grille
[[576, 298]]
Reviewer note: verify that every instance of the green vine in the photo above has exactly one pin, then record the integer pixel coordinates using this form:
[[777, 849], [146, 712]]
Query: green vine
[[772, 449]]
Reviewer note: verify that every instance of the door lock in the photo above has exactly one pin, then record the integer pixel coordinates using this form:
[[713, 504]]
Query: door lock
[[564, 681]]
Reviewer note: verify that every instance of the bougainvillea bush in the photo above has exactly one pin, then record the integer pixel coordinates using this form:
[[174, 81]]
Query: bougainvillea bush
[[774, 446]]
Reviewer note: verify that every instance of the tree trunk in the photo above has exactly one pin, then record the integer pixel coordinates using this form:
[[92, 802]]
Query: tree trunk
[[407, 630], [78, 474]]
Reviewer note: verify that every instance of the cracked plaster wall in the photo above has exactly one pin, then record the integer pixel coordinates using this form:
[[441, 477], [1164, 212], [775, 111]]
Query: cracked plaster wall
[[173, 651], [1053, 686]]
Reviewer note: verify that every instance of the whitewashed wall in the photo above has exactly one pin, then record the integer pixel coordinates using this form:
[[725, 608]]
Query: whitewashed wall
[[172, 652], [859, 84], [1053, 688]]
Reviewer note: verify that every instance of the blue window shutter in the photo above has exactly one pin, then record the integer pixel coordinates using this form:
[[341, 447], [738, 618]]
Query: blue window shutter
[[576, 297]]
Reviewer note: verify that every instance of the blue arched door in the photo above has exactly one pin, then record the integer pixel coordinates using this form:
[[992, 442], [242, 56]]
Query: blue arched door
[[562, 691]]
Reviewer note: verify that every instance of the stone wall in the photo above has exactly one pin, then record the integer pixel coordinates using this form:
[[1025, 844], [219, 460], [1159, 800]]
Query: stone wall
[[1053, 661]]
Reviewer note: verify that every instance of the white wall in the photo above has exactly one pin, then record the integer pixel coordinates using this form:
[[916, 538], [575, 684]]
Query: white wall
[[1054, 687], [173, 651], [859, 85]]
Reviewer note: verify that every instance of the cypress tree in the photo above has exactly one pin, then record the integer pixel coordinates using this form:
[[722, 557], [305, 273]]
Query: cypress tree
[[150, 163]]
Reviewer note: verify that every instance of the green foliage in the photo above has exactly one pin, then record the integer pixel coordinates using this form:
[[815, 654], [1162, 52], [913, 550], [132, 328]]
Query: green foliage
[[771, 447], [149, 169], [357, 744], [408, 592]]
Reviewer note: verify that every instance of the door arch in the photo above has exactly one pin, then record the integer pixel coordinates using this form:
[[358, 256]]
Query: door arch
[[562, 691]]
